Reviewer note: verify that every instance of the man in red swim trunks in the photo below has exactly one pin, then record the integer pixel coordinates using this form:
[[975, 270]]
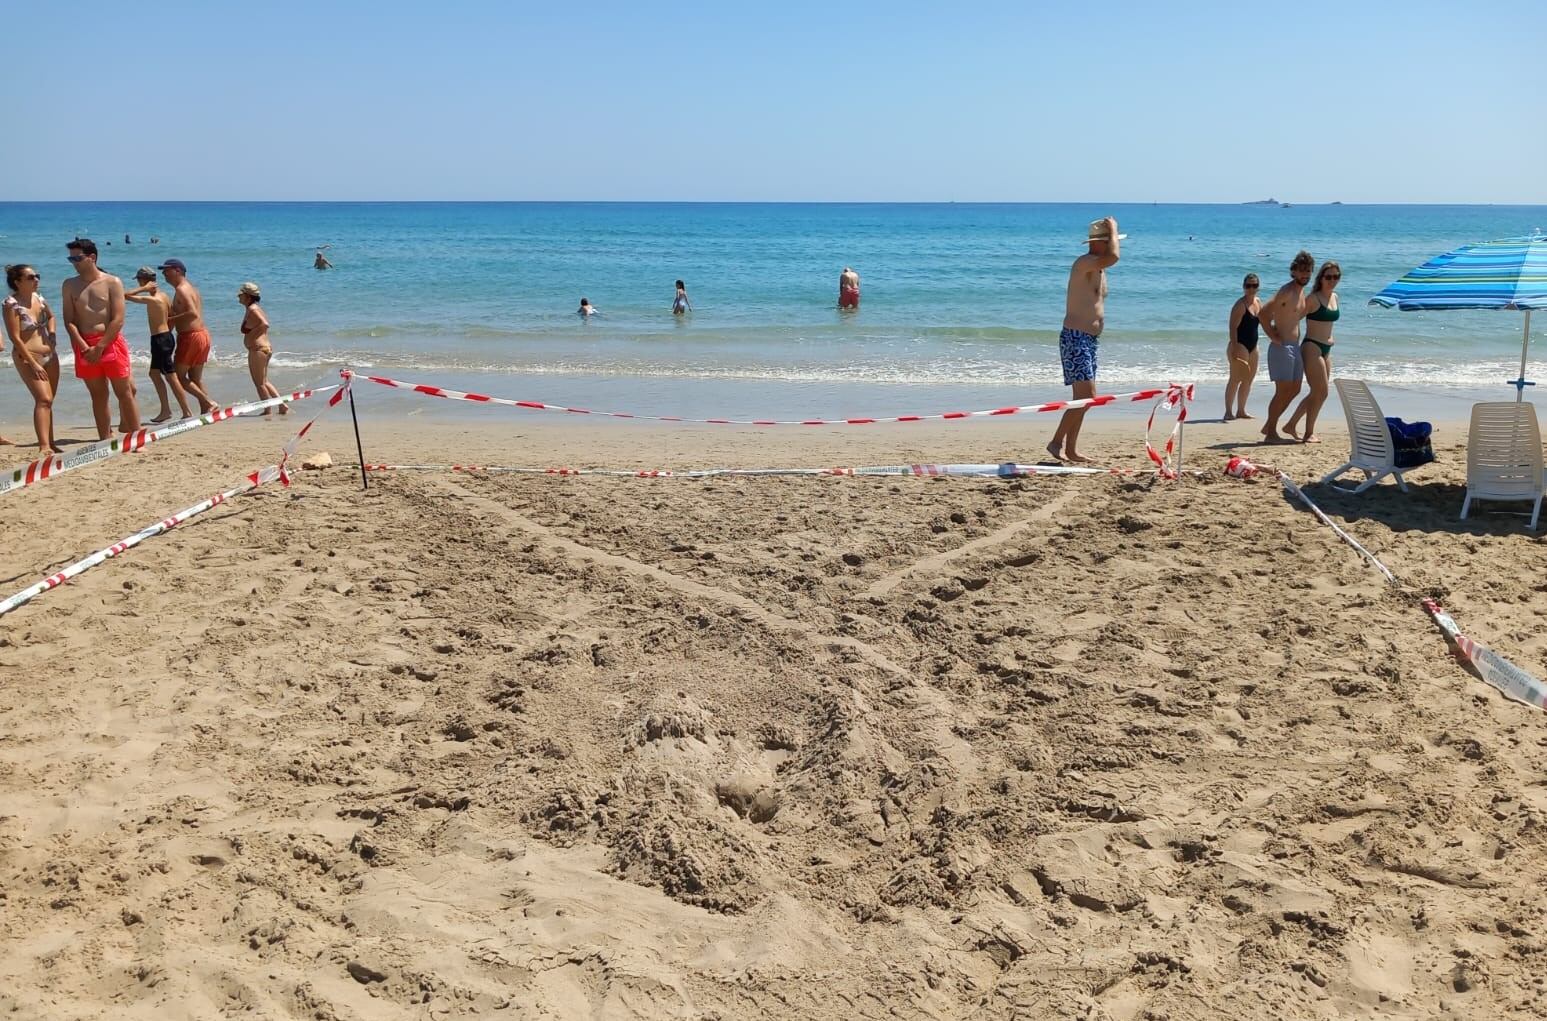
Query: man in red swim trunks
[[193, 344], [94, 319], [848, 288]]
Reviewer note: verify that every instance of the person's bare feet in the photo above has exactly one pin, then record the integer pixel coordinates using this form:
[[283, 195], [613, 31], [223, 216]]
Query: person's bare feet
[[1076, 458], [1227, 417], [6, 443], [1052, 451], [1242, 414], [1311, 439], [266, 413], [284, 409], [163, 417], [48, 452], [1274, 439]]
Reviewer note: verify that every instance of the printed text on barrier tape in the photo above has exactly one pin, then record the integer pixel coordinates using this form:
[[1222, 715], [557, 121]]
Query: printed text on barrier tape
[[1510, 679], [57, 464], [459, 395]]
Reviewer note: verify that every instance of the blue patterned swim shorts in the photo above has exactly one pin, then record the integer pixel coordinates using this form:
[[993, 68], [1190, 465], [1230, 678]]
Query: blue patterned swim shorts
[[1078, 351]]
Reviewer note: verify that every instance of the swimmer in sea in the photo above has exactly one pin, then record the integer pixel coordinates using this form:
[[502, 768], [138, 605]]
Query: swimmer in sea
[[586, 309], [848, 288], [680, 304]]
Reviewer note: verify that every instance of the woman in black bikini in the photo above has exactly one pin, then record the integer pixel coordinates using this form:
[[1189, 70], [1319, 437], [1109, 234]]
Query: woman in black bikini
[[1241, 351], [1316, 350]]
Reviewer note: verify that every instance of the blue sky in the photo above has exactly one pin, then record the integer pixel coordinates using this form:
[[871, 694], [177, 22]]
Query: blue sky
[[466, 99]]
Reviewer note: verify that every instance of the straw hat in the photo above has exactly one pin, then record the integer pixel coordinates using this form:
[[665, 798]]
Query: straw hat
[[1100, 230]]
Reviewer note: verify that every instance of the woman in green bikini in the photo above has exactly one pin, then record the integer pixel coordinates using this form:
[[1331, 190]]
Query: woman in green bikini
[[1321, 307]]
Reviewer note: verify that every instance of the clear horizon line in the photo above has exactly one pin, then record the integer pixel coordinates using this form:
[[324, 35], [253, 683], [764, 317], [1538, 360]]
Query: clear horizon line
[[749, 202]]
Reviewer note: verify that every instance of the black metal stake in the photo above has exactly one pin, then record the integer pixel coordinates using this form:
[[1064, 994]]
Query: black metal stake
[[365, 483]]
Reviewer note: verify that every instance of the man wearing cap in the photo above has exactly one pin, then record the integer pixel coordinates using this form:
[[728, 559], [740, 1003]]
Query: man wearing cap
[[1084, 318], [163, 344], [94, 319], [193, 344]]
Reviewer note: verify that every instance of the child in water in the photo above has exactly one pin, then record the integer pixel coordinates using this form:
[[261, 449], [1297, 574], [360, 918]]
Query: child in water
[[586, 308]]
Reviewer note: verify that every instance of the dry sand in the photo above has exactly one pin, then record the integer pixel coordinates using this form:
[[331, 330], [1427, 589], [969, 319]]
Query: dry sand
[[833, 748]]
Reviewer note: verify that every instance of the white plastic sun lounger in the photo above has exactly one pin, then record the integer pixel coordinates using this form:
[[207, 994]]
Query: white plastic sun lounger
[[1372, 450], [1504, 456]]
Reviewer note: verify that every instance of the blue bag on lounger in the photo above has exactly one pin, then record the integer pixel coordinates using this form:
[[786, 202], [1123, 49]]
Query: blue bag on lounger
[[1411, 442]]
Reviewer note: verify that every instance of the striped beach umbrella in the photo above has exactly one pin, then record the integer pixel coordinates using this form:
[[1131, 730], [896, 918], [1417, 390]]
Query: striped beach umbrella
[[1510, 273]]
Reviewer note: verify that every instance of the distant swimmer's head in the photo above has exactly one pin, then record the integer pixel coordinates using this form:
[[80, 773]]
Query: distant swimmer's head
[[1251, 283], [585, 302], [144, 274], [681, 286], [248, 293], [1303, 265]]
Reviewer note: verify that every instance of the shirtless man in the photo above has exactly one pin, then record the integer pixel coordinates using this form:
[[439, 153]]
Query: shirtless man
[[193, 344], [848, 288], [158, 309], [93, 306], [1084, 319], [1281, 322]]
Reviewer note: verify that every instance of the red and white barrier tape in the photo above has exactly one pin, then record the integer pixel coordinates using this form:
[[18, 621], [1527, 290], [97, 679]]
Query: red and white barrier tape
[[166, 524], [1294, 490], [1004, 471], [129, 443], [1090, 402], [1490, 666], [1510, 679], [295, 441], [1176, 396], [250, 482]]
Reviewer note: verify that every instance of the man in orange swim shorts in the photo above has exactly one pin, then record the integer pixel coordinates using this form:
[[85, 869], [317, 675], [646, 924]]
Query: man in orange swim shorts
[[193, 344], [94, 319]]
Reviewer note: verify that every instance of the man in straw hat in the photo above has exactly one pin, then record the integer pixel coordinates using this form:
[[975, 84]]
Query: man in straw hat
[[1084, 318]]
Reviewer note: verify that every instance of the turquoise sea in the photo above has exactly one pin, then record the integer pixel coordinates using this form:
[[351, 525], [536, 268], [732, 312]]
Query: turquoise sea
[[962, 303]]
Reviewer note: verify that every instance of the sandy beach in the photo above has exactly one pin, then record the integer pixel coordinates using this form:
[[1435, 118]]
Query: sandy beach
[[498, 746]]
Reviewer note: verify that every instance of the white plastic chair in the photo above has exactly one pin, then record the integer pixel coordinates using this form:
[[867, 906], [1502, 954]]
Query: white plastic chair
[[1504, 456], [1372, 451]]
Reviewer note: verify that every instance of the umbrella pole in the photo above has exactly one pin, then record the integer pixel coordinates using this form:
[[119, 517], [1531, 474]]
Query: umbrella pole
[[1525, 345]]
